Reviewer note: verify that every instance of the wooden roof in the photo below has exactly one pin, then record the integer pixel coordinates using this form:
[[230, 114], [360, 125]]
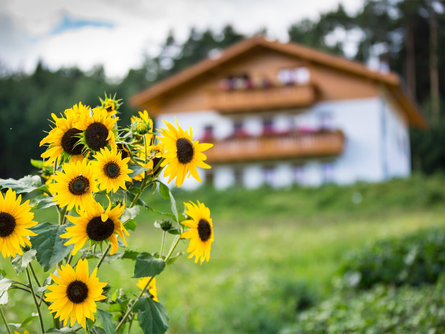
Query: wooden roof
[[390, 81]]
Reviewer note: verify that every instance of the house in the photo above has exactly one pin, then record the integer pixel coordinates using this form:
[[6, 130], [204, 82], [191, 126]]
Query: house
[[283, 114]]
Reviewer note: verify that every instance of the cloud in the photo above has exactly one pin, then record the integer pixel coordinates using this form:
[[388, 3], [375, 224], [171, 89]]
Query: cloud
[[118, 33], [71, 23]]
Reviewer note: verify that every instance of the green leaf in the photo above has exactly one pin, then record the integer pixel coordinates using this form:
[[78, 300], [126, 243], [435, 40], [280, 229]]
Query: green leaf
[[24, 185], [137, 169], [152, 317], [98, 330], [20, 262], [130, 213], [5, 284], [166, 193], [130, 254], [49, 244], [106, 319], [64, 330], [147, 265], [131, 224], [42, 202], [37, 163]]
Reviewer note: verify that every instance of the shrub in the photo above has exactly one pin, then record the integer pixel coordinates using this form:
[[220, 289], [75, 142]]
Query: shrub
[[379, 310], [415, 259]]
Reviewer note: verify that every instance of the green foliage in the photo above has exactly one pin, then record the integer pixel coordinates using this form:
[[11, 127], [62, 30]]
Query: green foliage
[[49, 245], [415, 259], [106, 319], [152, 317], [380, 310], [147, 265]]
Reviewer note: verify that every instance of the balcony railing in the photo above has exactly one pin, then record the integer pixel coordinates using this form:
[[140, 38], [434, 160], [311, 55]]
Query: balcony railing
[[276, 97], [319, 144]]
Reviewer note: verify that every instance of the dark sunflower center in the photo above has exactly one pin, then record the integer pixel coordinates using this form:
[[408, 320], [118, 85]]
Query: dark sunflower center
[[185, 150], [79, 185], [96, 136], [70, 142], [7, 224], [204, 230], [77, 292], [112, 170], [98, 230], [123, 149]]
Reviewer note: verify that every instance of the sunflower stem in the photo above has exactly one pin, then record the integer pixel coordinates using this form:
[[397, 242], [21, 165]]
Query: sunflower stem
[[61, 215], [29, 291], [144, 181], [103, 257], [35, 301], [162, 242], [172, 248], [4, 320], [34, 275], [130, 307]]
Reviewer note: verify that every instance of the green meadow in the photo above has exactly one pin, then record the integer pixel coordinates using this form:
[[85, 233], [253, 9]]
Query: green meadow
[[273, 250]]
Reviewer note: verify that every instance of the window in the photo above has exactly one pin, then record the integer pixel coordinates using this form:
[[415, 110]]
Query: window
[[294, 76], [238, 129], [209, 177], [238, 176], [269, 173], [208, 133], [299, 174], [328, 172], [267, 127]]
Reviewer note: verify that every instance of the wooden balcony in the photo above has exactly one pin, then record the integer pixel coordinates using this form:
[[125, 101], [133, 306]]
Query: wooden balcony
[[276, 97], [320, 144]]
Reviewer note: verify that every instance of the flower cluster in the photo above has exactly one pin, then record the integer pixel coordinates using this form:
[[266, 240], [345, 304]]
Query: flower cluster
[[95, 174]]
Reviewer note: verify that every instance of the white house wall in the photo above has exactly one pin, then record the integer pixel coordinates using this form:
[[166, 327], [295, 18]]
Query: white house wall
[[396, 150], [364, 155]]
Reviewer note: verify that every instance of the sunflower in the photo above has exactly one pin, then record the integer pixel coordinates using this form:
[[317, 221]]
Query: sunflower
[[15, 219], [151, 288], [75, 185], [200, 232], [24, 332], [78, 111], [75, 293], [96, 224], [64, 137], [142, 125], [182, 156], [111, 170], [97, 129], [110, 104]]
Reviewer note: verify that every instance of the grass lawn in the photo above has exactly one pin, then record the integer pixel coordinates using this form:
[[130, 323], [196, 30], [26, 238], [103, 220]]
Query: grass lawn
[[268, 244]]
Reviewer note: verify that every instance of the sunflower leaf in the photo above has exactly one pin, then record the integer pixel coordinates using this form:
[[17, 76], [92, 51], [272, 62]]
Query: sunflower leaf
[[24, 185], [152, 317], [49, 244], [20, 262], [137, 169], [148, 265], [42, 202], [131, 224], [62, 330], [166, 193], [106, 319], [5, 284], [98, 330], [130, 213]]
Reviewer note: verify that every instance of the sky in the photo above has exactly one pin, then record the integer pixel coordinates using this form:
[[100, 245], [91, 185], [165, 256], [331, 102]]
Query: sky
[[119, 33]]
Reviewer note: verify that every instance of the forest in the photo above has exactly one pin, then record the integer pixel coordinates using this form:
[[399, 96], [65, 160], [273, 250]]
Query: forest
[[407, 35]]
